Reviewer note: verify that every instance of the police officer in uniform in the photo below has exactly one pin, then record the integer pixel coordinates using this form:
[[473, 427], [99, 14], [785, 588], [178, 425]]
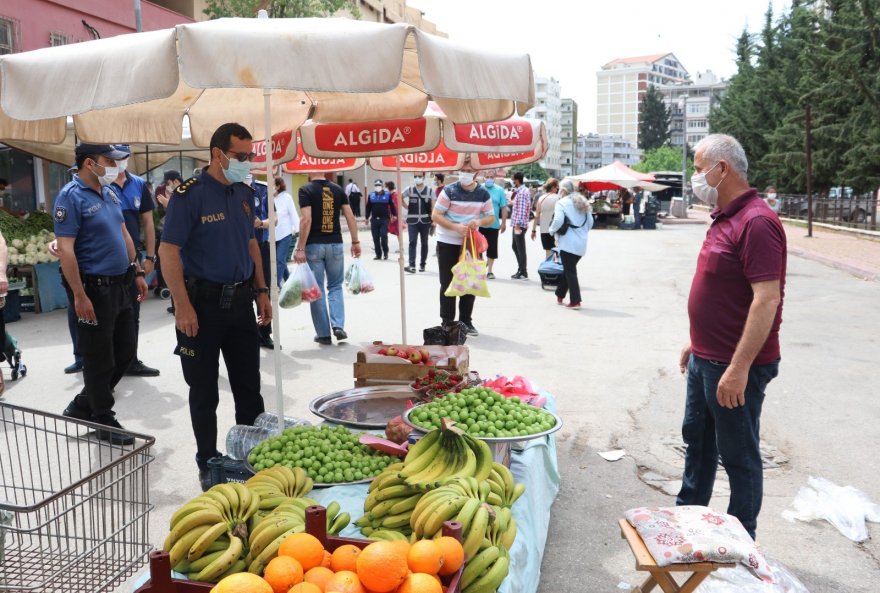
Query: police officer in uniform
[[212, 265], [98, 263], [137, 210], [380, 212]]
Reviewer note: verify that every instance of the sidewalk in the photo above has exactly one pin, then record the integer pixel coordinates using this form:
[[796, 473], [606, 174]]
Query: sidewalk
[[840, 249]]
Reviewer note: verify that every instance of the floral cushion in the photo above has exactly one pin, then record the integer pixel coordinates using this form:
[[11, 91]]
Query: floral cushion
[[685, 534]]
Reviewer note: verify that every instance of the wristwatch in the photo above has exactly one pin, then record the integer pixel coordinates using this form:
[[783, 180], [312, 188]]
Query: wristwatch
[[152, 258], [263, 290]]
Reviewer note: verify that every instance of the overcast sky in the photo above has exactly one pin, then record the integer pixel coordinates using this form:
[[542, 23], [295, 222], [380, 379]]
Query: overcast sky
[[570, 40]]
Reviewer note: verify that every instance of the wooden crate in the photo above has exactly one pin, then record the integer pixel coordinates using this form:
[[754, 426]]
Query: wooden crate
[[372, 368]]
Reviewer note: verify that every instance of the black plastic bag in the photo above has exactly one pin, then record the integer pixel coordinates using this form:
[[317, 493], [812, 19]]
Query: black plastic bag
[[453, 334]]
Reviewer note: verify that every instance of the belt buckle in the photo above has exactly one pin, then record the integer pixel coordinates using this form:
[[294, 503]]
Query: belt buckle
[[227, 295]]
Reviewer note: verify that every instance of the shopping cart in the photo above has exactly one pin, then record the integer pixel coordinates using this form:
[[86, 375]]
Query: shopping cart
[[74, 511]]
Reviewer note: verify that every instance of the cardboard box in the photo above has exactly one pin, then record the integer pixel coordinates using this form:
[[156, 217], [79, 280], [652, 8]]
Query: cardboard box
[[372, 368]]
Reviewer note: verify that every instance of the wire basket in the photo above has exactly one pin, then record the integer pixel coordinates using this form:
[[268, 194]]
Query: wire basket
[[74, 511]]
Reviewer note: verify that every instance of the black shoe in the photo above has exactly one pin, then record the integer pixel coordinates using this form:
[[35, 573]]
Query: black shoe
[[517, 276], [112, 436], [340, 333], [385, 257], [139, 369], [422, 268], [76, 367], [78, 410], [170, 310], [377, 257], [326, 341], [411, 269], [470, 329], [205, 479], [267, 343]]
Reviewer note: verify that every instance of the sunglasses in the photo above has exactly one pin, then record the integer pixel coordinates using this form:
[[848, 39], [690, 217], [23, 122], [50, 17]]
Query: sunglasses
[[242, 156]]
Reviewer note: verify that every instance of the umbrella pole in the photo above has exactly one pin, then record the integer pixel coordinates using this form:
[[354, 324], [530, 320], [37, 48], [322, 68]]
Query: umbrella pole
[[273, 257], [400, 255]]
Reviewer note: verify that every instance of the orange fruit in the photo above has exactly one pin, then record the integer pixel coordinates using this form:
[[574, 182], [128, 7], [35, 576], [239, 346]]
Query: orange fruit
[[282, 573], [243, 582], [425, 556], [344, 581], [403, 545], [453, 555], [305, 588], [344, 558], [318, 576], [305, 548], [419, 582], [328, 557], [382, 566]]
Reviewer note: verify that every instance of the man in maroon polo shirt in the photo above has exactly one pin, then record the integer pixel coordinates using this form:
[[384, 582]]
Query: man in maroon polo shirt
[[735, 310]]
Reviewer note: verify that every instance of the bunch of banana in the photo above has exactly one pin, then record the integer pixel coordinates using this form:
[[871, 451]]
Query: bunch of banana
[[389, 503], [504, 492], [278, 483], [502, 529], [287, 518], [208, 533], [484, 572], [445, 455], [388, 535]]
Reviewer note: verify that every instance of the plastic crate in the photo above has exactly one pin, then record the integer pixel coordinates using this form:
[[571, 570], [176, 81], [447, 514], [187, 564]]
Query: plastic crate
[[225, 469], [316, 524], [75, 509]]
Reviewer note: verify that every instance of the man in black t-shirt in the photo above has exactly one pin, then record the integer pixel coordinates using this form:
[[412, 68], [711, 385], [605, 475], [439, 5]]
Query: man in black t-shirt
[[320, 244]]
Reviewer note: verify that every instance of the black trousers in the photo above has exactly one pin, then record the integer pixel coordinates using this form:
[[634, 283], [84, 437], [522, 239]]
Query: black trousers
[[233, 332], [265, 330], [108, 348], [568, 282], [136, 312], [447, 256], [417, 230], [379, 226], [519, 250]]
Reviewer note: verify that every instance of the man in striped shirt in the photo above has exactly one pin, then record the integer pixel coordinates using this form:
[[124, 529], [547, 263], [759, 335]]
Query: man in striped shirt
[[519, 220], [461, 206]]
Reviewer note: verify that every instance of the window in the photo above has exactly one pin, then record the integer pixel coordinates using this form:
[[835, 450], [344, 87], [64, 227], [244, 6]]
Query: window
[[57, 38], [7, 36]]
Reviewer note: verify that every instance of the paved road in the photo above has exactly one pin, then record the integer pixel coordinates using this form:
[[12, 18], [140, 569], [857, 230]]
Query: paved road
[[613, 369]]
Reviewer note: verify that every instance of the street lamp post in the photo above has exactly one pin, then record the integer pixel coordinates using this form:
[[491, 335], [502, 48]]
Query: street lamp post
[[682, 102]]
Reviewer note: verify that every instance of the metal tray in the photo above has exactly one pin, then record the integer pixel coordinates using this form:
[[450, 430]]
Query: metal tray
[[363, 407], [516, 439]]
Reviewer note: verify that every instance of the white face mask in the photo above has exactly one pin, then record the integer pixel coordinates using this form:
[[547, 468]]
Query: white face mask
[[465, 177], [110, 175], [771, 195], [123, 165], [419, 180], [702, 189]]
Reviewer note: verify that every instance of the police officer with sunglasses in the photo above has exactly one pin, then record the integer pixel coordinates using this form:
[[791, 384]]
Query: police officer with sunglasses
[[212, 265]]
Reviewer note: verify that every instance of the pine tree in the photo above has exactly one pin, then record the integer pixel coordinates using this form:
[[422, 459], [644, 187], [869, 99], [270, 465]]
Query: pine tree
[[653, 120]]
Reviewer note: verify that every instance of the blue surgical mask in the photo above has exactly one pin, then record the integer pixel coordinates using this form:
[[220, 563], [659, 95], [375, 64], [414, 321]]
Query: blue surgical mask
[[489, 183], [238, 171]]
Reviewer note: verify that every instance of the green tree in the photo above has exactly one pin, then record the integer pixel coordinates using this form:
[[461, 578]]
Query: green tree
[[278, 8], [532, 171], [665, 158], [653, 120]]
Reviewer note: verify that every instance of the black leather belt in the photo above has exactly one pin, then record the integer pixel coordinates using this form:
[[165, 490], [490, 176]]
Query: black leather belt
[[93, 280], [209, 291]]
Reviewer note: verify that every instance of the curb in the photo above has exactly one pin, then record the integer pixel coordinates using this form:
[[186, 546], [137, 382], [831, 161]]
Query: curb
[[837, 264]]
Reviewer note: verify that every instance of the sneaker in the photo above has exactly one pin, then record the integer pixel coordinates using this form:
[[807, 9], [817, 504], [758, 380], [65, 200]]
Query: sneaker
[[78, 409], [326, 341], [518, 276], [575, 306], [340, 333], [76, 367], [170, 310], [410, 269], [422, 268], [386, 257], [490, 276], [470, 329], [267, 343], [139, 369], [112, 436]]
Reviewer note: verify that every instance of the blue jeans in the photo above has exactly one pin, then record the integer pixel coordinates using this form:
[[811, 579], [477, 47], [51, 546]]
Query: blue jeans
[[282, 247], [326, 259], [709, 430]]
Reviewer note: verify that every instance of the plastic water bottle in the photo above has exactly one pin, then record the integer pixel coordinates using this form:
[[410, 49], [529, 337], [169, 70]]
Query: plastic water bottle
[[270, 421], [242, 438]]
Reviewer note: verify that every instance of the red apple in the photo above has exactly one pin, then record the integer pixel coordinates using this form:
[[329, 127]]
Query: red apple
[[402, 354], [383, 351], [425, 353], [415, 356], [428, 362], [391, 351]]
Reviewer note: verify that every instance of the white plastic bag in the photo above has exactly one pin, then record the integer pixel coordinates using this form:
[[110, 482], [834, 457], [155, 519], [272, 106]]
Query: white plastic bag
[[845, 507], [741, 580], [300, 287], [357, 279]]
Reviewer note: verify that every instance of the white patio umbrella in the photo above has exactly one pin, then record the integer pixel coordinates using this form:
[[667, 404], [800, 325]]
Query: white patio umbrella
[[216, 71], [614, 175]]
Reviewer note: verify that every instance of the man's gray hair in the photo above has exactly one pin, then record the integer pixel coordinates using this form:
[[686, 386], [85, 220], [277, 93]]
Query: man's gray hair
[[716, 147]]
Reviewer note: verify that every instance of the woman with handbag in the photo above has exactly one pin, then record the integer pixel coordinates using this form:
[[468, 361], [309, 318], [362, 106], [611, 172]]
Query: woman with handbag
[[461, 207], [572, 221]]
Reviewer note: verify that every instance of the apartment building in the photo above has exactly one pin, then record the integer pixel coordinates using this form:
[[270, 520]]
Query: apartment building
[[621, 87], [690, 104], [569, 136], [597, 150], [548, 108]]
